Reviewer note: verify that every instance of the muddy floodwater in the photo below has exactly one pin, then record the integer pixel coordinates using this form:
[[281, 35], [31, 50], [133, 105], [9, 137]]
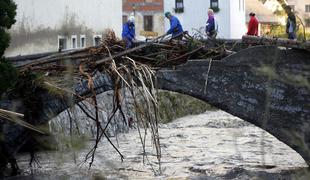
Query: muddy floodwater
[[213, 145]]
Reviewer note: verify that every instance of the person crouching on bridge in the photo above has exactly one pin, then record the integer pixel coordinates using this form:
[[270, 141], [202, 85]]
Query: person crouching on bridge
[[175, 27], [129, 33], [253, 25], [211, 26]]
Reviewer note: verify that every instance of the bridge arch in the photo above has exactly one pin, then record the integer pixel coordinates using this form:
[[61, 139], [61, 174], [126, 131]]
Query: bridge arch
[[257, 82]]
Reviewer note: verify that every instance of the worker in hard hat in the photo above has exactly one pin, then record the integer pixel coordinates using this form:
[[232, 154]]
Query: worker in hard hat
[[175, 26], [129, 33]]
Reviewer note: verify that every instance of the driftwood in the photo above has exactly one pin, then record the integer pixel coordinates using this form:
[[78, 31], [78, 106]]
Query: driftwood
[[180, 57], [83, 55], [51, 57], [255, 40], [123, 53], [17, 118]]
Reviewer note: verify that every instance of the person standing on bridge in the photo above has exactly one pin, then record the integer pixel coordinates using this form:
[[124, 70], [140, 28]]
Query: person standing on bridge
[[129, 33], [211, 26], [253, 25], [175, 27], [291, 23]]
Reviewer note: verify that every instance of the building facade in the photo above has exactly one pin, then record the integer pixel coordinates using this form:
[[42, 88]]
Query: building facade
[[50, 25], [149, 16], [230, 15]]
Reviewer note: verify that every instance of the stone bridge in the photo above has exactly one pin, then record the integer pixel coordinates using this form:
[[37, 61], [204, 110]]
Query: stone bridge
[[263, 85]]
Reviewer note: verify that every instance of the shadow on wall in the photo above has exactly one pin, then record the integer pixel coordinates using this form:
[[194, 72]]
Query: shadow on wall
[[45, 39]]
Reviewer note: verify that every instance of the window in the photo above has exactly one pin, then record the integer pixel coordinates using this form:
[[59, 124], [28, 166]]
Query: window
[[62, 43], [97, 40], [73, 41], [214, 4], [82, 41], [148, 23], [125, 18], [307, 8], [179, 6], [307, 21]]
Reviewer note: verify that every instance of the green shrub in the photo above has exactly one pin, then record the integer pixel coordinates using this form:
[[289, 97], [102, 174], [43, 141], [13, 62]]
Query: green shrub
[[174, 105], [7, 19], [280, 32], [8, 76]]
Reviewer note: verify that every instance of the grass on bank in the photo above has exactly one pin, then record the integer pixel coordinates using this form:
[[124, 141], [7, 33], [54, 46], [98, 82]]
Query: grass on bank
[[174, 105]]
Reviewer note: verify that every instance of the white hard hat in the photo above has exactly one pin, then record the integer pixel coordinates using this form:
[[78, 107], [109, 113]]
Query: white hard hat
[[131, 19]]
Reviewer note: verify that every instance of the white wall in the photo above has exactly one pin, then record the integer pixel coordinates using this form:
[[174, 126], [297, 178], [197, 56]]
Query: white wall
[[95, 14], [237, 19], [224, 20], [39, 20], [231, 22], [159, 23]]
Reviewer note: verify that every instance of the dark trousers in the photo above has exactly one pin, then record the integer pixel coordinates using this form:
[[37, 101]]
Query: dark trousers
[[292, 35], [178, 37], [129, 43], [212, 34]]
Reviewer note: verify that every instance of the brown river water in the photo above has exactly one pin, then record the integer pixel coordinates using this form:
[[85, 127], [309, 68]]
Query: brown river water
[[213, 145]]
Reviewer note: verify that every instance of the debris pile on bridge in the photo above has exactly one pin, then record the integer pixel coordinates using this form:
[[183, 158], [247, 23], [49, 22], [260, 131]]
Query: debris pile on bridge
[[288, 43], [156, 53]]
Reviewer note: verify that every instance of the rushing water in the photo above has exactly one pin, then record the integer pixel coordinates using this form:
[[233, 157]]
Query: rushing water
[[213, 145]]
